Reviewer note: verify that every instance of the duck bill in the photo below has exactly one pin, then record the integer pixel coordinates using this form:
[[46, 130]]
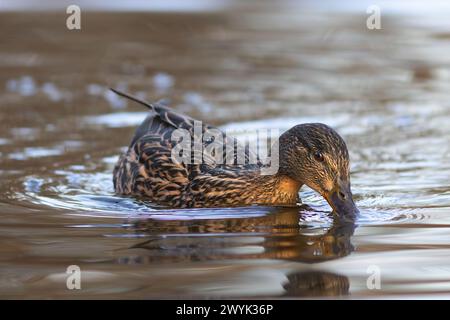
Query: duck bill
[[341, 200]]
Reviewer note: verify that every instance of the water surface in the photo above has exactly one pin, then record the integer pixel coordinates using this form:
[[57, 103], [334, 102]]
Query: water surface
[[385, 91]]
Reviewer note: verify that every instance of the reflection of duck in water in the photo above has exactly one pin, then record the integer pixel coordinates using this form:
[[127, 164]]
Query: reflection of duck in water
[[311, 154], [276, 235], [316, 283]]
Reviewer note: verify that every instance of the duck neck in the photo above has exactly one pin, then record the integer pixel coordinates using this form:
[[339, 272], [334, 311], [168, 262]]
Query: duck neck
[[278, 189]]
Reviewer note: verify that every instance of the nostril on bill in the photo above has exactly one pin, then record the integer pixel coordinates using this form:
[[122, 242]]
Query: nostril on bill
[[342, 195]]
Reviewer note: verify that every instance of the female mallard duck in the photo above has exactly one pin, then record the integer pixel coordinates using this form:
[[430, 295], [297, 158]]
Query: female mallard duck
[[311, 154]]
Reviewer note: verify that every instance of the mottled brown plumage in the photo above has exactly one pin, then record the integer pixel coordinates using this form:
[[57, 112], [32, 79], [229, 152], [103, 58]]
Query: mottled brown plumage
[[311, 154]]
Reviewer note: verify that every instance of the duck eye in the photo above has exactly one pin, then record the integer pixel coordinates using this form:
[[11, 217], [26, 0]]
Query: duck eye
[[319, 156]]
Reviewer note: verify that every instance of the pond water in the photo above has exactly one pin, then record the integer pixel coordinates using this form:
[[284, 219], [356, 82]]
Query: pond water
[[385, 91]]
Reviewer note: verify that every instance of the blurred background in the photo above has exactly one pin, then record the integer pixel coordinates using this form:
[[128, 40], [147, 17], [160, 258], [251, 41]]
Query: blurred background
[[239, 65]]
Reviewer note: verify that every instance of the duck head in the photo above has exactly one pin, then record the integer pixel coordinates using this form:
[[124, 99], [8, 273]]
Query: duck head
[[314, 154]]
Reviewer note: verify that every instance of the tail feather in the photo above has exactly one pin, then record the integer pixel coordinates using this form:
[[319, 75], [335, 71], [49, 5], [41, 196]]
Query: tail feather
[[165, 113], [125, 95]]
